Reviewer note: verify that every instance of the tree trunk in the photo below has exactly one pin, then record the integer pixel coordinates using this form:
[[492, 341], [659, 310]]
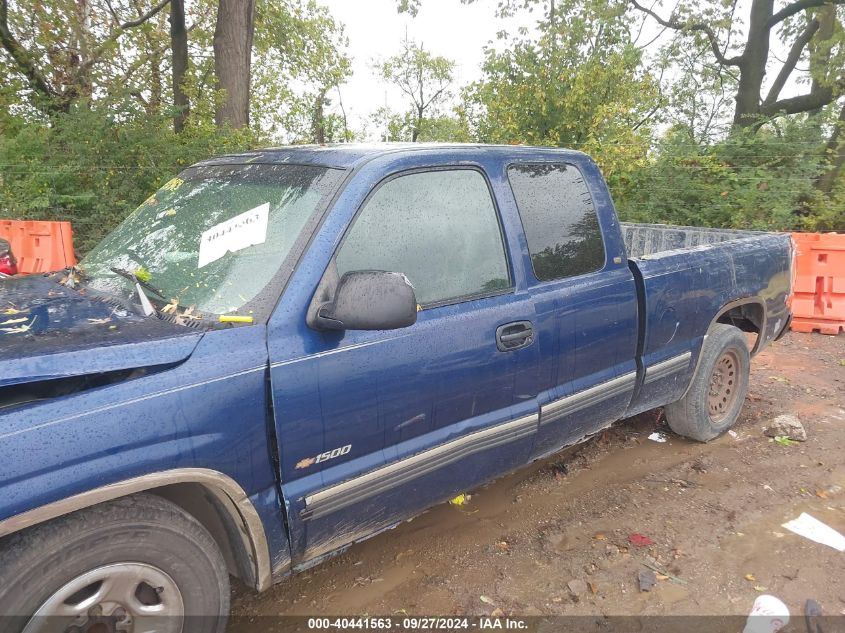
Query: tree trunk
[[233, 60], [835, 151], [318, 121], [415, 133], [179, 48], [753, 64]]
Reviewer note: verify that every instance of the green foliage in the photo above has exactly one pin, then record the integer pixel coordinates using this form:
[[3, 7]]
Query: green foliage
[[423, 78], [441, 128], [580, 85], [94, 166], [747, 180]]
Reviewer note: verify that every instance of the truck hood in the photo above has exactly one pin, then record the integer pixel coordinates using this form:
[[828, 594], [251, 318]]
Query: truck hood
[[49, 331]]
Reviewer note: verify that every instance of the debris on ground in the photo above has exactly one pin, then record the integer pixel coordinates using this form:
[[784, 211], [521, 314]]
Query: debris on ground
[[813, 529], [647, 579], [788, 426], [486, 600], [768, 615], [663, 574], [830, 491], [460, 500], [577, 587], [658, 436], [640, 540], [812, 614]]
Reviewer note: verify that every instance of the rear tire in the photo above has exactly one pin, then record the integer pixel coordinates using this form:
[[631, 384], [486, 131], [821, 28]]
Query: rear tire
[[112, 565], [717, 392]]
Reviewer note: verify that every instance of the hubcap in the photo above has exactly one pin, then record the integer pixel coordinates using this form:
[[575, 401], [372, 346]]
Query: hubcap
[[122, 597], [723, 386]]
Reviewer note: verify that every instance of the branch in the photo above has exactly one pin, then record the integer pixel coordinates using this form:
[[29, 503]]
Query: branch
[[149, 14], [791, 60], [115, 35], [23, 60], [674, 24], [813, 100], [797, 7]]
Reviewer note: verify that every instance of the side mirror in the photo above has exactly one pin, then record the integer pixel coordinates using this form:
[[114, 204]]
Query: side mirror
[[370, 300]]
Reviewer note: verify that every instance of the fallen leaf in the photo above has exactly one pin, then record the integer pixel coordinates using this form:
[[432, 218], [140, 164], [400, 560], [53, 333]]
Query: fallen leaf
[[600, 537], [593, 587], [497, 613], [486, 600], [760, 588], [13, 321], [750, 577], [640, 540], [821, 494]]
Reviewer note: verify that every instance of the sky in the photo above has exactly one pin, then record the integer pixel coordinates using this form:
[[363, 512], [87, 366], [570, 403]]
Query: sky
[[445, 27], [449, 28]]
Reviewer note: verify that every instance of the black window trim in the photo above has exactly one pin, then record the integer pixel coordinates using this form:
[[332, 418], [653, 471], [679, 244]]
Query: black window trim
[[511, 289], [569, 163]]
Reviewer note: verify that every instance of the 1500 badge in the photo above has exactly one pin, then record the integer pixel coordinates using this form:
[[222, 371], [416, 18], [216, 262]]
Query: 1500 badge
[[323, 457]]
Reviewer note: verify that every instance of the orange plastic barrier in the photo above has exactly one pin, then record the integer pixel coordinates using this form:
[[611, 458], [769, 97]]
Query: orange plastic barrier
[[39, 247], [818, 301]]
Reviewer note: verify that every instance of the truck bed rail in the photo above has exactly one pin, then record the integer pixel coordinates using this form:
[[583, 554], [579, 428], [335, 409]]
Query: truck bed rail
[[648, 239]]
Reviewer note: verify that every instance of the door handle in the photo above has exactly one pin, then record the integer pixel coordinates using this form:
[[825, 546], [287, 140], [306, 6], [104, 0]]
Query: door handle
[[516, 335]]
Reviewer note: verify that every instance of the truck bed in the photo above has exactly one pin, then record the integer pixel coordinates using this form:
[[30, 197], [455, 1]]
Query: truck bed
[[650, 239]]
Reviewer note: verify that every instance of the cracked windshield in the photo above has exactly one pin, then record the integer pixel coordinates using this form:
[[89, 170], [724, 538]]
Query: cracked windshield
[[211, 240]]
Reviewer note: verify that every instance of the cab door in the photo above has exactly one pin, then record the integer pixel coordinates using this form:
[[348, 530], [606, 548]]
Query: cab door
[[585, 295], [375, 426]]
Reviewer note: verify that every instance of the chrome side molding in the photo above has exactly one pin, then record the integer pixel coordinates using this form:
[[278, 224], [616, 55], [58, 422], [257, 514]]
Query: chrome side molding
[[349, 492], [568, 405], [666, 368]]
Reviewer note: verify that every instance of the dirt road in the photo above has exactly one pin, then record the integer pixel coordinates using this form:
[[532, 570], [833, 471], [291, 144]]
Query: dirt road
[[553, 539]]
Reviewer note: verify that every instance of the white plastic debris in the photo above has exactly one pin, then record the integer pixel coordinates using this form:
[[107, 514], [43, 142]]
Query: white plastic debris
[[657, 436], [813, 529], [768, 615]]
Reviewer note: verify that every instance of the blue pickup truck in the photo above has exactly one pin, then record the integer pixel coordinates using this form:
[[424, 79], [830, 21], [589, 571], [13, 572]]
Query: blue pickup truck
[[283, 352]]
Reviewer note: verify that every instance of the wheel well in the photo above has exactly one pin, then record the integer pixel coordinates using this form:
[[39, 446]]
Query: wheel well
[[748, 317], [216, 512]]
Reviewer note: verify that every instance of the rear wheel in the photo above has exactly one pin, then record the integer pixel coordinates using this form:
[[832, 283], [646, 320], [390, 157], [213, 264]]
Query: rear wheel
[[715, 397], [135, 564]]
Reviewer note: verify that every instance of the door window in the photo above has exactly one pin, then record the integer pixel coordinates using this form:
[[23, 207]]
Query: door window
[[439, 228], [559, 219]]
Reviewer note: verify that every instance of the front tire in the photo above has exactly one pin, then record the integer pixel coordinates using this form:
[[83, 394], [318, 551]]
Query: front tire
[[717, 392], [126, 565]]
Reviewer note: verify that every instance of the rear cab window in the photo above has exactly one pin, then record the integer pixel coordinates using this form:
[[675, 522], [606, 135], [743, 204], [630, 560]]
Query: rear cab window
[[559, 219], [440, 228]]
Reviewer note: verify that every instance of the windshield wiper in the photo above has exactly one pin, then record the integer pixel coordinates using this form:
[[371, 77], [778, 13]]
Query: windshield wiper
[[146, 306]]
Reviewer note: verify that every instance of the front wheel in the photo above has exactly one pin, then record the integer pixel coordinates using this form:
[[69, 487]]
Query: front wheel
[[717, 392], [135, 564]]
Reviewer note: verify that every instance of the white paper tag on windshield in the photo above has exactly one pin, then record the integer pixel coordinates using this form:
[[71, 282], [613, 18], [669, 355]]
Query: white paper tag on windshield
[[247, 229]]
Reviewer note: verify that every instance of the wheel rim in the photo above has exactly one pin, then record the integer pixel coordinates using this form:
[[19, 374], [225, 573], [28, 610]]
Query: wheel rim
[[723, 386], [121, 597]]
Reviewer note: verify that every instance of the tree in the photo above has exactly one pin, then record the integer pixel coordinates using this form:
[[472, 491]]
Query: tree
[[422, 77], [835, 155], [179, 50], [810, 28], [57, 64], [580, 84], [233, 37]]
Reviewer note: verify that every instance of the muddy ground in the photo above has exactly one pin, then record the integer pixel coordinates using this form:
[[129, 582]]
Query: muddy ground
[[714, 512]]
